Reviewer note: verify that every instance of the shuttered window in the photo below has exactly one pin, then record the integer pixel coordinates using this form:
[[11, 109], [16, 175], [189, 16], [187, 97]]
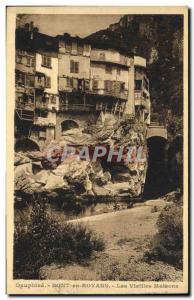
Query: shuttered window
[[74, 66], [74, 48], [80, 50], [53, 99], [102, 56], [108, 69], [30, 80], [47, 82], [46, 61], [86, 48], [95, 84], [69, 82], [68, 47], [108, 85]]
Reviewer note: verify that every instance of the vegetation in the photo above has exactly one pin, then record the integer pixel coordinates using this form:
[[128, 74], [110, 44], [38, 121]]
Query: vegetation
[[167, 244], [45, 240]]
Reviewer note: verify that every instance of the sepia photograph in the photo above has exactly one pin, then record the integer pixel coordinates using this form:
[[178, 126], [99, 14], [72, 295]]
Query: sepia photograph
[[97, 123]]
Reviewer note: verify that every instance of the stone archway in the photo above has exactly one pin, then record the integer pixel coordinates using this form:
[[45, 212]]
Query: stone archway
[[25, 145], [68, 124]]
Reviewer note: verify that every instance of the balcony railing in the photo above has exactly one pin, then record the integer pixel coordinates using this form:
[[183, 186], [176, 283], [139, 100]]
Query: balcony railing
[[102, 92], [42, 105], [24, 105], [78, 107], [41, 121], [140, 99], [115, 109], [97, 57]]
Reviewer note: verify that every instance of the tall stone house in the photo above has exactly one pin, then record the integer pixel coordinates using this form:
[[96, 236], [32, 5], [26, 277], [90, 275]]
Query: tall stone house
[[66, 82]]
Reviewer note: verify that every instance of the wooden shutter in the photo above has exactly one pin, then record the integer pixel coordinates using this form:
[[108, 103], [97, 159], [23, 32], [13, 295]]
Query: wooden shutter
[[76, 67], [48, 82], [71, 66]]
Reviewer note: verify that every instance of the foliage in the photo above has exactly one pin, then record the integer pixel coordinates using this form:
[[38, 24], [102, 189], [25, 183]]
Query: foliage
[[45, 240], [167, 244]]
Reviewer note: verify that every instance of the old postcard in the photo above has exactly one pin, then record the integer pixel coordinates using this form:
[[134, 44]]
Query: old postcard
[[97, 143]]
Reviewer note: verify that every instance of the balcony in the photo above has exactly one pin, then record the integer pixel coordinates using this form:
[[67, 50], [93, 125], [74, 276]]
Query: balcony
[[24, 105], [25, 110], [140, 100], [42, 105], [110, 58], [40, 80], [43, 122], [76, 107], [104, 93]]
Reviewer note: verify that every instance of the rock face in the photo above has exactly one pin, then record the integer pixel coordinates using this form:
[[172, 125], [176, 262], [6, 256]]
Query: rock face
[[35, 173]]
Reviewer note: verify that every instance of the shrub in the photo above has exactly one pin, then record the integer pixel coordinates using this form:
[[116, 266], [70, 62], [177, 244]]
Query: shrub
[[45, 240], [167, 244]]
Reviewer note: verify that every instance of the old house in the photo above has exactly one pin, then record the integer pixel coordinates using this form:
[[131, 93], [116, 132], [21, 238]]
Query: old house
[[141, 92], [66, 82], [74, 82]]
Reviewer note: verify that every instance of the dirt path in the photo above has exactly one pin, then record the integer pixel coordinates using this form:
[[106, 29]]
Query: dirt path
[[125, 231], [127, 235]]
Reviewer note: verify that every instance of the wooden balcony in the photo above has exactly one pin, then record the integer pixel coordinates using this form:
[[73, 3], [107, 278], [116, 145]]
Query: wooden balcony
[[42, 105], [122, 61], [43, 122], [77, 107], [140, 100], [102, 92], [25, 115]]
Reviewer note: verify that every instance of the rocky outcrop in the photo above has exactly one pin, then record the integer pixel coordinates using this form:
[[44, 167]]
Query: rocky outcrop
[[35, 173]]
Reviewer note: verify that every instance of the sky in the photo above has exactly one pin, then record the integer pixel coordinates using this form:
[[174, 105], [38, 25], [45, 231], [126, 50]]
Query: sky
[[81, 25]]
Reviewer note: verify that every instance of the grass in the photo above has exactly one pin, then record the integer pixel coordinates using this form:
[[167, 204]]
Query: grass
[[44, 240]]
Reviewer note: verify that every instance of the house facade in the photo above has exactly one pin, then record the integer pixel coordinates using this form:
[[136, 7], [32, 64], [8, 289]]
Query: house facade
[[69, 81]]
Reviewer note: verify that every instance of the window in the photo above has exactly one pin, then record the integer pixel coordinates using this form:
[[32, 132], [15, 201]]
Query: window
[[102, 56], [80, 50], [68, 48], [20, 78], [122, 87], [108, 69], [30, 80], [69, 82], [33, 62], [18, 59], [30, 61], [53, 99], [74, 47], [86, 48], [95, 84], [74, 66], [138, 84], [46, 61], [47, 82], [108, 85]]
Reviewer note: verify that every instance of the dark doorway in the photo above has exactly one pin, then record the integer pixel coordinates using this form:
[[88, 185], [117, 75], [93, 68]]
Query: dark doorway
[[157, 181]]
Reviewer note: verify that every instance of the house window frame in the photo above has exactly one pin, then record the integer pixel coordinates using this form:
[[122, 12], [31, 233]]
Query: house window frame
[[74, 66], [108, 69], [47, 82], [46, 61]]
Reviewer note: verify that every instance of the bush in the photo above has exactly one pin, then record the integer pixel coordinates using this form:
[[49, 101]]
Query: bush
[[44, 241], [167, 244]]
